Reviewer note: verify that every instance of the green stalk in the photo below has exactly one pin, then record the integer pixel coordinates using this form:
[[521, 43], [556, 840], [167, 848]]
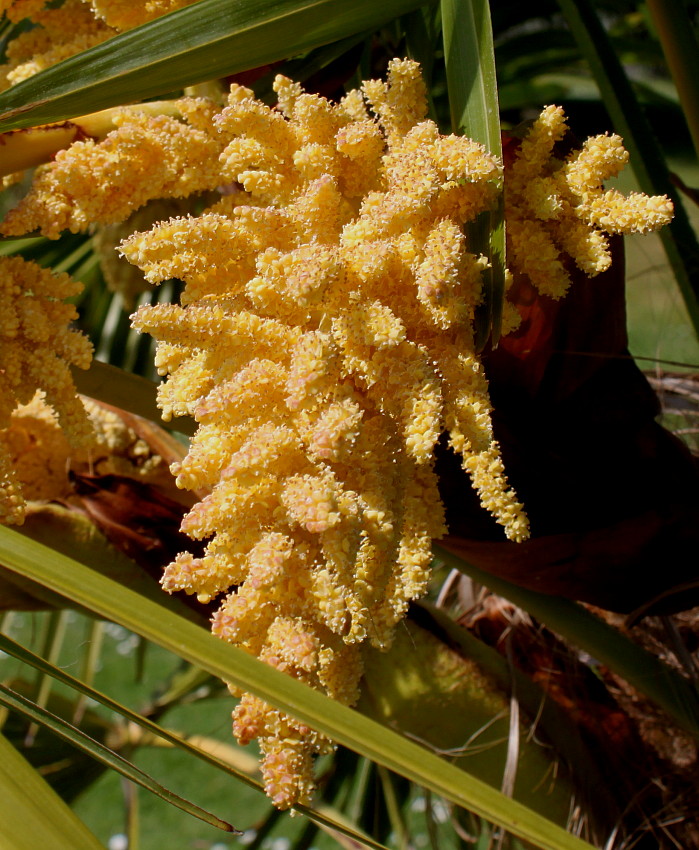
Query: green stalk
[[395, 816], [132, 815], [681, 49], [57, 623], [469, 57], [93, 642], [650, 168]]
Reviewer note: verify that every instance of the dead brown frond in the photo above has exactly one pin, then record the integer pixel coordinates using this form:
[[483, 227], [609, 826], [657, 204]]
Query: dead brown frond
[[679, 397]]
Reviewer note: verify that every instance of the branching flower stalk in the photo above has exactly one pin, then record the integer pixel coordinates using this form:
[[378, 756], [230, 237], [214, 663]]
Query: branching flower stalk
[[323, 344], [558, 208], [22, 149]]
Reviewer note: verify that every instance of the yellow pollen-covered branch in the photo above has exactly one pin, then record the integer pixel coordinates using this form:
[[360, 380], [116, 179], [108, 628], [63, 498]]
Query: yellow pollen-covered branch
[[311, 348], [27, 148], [557, 207]]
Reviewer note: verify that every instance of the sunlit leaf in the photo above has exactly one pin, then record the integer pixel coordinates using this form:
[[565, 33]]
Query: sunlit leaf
[[469, 57], [33, 815], [340, 723], [16, 702], [209, 39]]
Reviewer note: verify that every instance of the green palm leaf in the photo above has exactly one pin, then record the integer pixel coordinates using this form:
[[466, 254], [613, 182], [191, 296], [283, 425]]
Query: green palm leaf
[[327, 819], [12, 700], [370, 739], [469, 57], [33, 815], [210, 39]]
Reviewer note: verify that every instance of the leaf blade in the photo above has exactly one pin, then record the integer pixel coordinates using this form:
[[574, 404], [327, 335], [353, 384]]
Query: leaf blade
[[469, 56], [325, 819], [33, 815], [40, 716], [204, 41], [340, 723]]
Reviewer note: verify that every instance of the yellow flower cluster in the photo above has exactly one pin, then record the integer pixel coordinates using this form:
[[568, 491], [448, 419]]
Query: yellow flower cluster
[[146, 157], [558, 207], [16, 10], [324, 343], [36, 349], [41, 456]]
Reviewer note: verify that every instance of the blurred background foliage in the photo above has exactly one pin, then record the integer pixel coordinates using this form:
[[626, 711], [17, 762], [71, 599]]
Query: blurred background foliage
[[508, 695]]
